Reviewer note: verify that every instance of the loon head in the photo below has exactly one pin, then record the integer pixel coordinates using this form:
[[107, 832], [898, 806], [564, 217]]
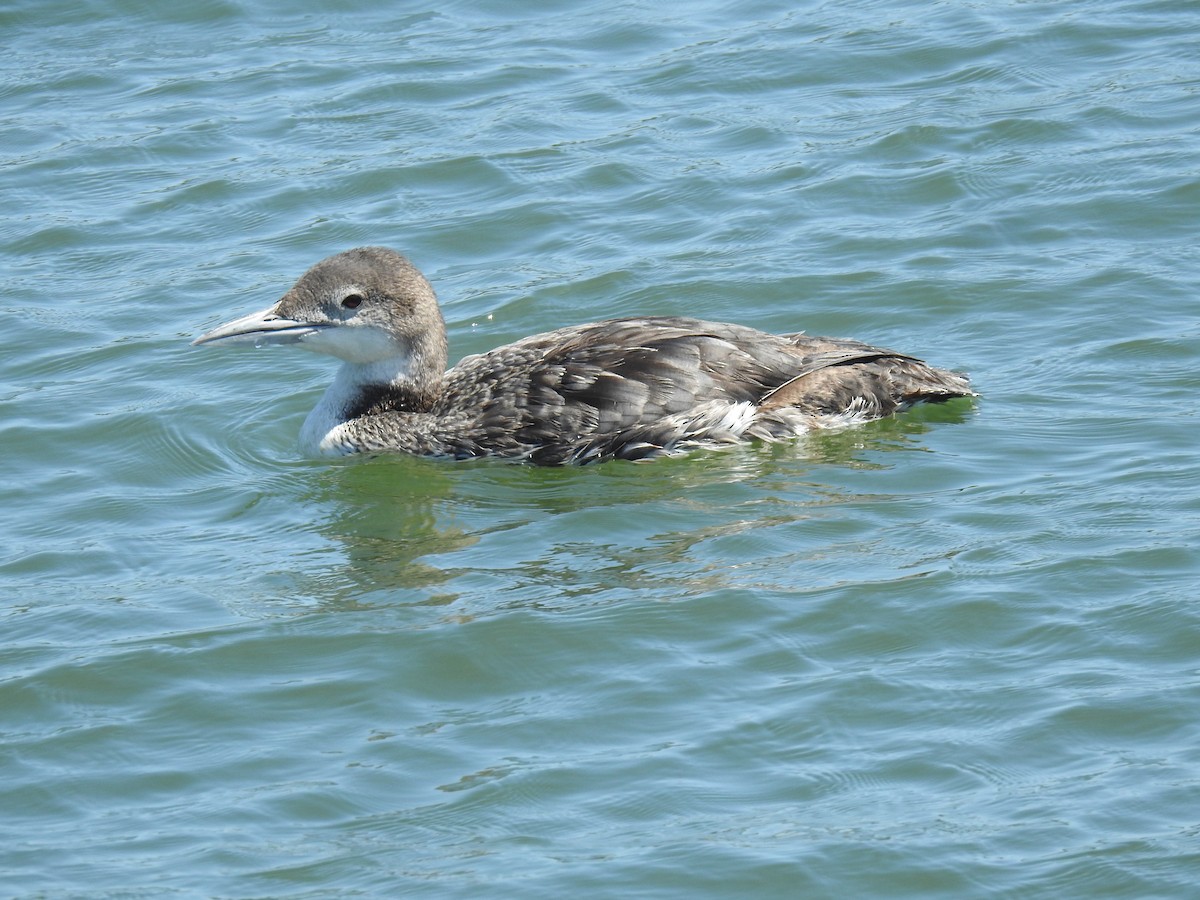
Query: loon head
[[366, 306]]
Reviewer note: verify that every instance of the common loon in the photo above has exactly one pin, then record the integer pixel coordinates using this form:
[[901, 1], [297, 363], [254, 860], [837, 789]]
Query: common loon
[[630, 388]]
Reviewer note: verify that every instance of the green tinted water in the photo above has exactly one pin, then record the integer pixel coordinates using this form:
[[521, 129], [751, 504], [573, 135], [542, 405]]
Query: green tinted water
[[952, 654]]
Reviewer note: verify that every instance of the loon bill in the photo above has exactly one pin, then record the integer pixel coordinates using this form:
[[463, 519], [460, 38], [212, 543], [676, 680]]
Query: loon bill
[[632, 388]]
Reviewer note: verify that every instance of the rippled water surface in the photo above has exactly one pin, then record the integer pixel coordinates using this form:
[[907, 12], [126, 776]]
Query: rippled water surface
[[953, 654]]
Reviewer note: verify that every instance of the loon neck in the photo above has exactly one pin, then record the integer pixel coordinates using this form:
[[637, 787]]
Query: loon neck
[[360, 389]]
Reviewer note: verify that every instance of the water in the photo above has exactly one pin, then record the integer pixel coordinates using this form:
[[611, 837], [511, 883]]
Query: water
[[953, 654]]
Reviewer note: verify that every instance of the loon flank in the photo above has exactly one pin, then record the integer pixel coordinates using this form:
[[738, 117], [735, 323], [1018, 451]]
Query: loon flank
[[632, 388]]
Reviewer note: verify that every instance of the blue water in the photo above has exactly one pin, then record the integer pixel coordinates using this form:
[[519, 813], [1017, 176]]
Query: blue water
[[952, 654]]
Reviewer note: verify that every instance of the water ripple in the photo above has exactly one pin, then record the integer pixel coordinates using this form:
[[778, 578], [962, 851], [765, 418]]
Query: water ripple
[[933, 656]]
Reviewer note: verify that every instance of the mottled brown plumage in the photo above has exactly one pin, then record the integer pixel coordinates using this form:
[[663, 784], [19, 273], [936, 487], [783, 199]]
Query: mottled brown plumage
[[625, 388]]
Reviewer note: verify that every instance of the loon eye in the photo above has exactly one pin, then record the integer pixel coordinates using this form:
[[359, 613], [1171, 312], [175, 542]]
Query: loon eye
[[352, 301]]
